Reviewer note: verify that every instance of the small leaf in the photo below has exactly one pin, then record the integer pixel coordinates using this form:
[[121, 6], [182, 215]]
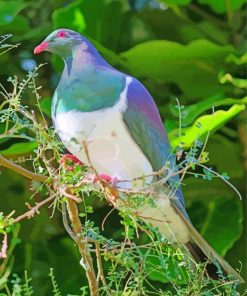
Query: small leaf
[[89, 209]]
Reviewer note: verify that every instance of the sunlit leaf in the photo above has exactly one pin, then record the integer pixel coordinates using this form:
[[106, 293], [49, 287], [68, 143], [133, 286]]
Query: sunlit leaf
[[19, 148], [203, 125], [191, 112]]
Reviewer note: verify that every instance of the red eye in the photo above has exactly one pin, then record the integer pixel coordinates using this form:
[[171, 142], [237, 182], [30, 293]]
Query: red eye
[[61, 34]]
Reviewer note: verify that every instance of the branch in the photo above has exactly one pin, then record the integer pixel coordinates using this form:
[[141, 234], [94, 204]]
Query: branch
[[100, 267], [65, 222], [83, 248], [35, 210], [63, 191], [22, 171]]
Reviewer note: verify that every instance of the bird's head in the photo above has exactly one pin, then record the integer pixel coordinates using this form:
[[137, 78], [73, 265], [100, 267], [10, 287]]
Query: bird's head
[[62, 42]]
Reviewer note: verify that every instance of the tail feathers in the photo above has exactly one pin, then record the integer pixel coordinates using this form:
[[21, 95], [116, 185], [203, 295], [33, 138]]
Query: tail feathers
[[211, 269], [201, 251]]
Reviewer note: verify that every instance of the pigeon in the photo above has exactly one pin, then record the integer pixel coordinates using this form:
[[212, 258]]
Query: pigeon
[[109, 120]]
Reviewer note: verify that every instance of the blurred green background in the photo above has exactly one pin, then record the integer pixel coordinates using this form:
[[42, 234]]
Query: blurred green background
[[193, 50]]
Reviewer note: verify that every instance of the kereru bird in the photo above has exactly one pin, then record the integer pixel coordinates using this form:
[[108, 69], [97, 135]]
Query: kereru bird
[[116, 116]]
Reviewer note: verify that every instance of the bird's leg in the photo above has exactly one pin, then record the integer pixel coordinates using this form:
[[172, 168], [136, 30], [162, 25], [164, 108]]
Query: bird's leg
[[108, 185], [112, 181]]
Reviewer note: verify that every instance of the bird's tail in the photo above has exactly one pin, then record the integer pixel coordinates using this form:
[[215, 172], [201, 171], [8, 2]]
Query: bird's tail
[[202, 252]]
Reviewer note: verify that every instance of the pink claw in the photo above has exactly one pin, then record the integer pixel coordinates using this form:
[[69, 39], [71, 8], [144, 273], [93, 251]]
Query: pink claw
[[108, 179]]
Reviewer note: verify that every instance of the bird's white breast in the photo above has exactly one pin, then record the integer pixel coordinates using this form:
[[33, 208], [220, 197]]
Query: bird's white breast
[[113, 151], [110, 146]]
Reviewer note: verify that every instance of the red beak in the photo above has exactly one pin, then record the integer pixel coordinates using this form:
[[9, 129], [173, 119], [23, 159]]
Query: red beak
[[41, 47]]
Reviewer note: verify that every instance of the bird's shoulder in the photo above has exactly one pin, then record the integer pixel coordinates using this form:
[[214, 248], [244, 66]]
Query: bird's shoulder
[[89, 90]]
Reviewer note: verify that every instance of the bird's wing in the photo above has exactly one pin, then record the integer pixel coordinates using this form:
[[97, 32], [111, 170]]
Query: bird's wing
[[143, 121]]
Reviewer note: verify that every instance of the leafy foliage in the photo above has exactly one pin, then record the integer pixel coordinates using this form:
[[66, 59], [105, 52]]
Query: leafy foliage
[[190, 50]]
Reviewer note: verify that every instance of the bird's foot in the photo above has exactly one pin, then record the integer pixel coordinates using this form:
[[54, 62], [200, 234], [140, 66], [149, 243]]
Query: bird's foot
[[69, 161], [112, 181]]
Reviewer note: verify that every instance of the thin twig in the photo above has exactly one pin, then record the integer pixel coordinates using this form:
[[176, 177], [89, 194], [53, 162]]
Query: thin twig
[[100, 267], [222, 178], [35, 210], [104, 220]]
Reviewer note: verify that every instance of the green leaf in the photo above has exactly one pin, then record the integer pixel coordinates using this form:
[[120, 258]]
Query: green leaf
[[223, 223], [45, 106], [215, 211], [19, 25], [165, 268], [192, 67], [34, 33], [93, 17], [9, 10], [232, 151], [19, 148], [69, 16], [203, 125], [170, 125], [222, 6], [175, 2], [190, 113]]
